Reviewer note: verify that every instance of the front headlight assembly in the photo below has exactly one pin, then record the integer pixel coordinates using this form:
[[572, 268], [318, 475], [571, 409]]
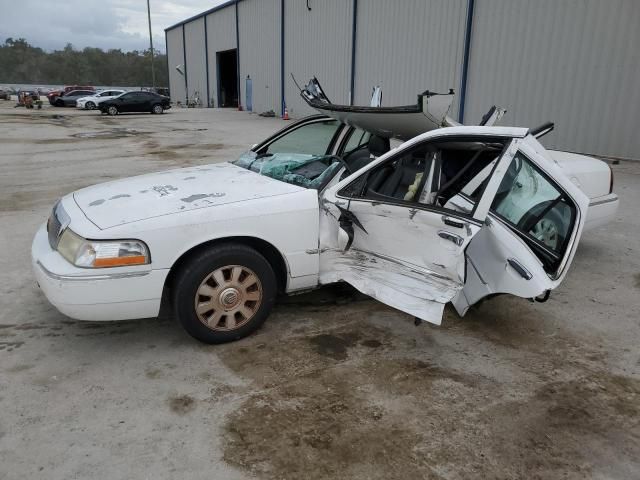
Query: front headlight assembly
[[102, 253]]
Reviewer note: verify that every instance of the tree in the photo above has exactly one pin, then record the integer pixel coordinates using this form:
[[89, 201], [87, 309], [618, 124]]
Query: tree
[[23, 63]]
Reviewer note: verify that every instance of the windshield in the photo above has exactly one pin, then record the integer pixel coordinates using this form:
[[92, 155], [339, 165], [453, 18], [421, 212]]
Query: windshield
[[304, 170]]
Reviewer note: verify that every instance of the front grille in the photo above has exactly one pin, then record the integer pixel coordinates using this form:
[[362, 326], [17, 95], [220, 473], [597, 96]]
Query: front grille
[[58, 221], [53, 229]]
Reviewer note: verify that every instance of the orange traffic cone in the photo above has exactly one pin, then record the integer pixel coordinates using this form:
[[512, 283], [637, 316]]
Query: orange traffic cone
[[285, 116]]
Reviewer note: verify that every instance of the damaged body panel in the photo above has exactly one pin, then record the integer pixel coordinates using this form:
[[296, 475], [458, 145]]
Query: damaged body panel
[[404, 122]]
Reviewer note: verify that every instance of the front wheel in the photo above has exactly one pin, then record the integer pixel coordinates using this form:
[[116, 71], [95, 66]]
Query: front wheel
[[157, 109], [89, 106], [59, 103], [112, 110], [224, 293]]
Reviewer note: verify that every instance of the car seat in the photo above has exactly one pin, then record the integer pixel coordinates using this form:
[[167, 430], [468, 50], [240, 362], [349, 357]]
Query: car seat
[[376, 147]]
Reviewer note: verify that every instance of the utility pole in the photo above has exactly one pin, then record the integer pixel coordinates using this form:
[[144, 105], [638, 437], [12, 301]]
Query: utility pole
[[153, 71]]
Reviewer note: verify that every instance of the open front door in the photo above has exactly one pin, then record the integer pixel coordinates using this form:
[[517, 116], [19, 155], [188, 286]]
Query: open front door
[[390, 231]]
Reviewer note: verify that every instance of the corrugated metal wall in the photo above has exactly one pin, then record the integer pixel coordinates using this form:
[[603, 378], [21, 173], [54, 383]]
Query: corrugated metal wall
[[317, 43], [408, 47], [574, 62], [175, 57], [259, 27], [197, 74], [221, 35]]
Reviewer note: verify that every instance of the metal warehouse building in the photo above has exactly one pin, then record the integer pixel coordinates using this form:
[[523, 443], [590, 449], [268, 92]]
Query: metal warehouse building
[[574, 62]]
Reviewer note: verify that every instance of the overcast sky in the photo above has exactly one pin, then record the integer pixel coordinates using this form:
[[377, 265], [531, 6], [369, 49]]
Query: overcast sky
[[106, 24]]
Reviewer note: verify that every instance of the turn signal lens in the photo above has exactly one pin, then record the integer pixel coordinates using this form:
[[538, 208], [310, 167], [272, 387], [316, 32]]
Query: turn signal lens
[[102, 254]]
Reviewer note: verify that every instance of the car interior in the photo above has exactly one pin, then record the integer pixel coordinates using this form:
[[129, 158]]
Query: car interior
[[431, 174]]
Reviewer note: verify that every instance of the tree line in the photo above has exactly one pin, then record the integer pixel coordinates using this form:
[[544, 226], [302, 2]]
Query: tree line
[[23, 63]]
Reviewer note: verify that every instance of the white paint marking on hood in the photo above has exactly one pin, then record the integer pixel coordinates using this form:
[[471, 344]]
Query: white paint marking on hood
[[174, 191]]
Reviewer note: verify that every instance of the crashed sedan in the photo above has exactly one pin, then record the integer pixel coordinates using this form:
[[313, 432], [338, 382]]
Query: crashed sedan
[[456, 214]]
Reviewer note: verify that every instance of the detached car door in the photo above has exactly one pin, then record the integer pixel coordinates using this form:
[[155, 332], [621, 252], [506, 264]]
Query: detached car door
[[385, 231]]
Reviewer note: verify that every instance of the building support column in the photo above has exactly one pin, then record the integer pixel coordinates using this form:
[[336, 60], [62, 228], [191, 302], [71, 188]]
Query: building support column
[[465, 59], [282, 99], [354, 27], [184, 58], [206, 59], [238, 59]]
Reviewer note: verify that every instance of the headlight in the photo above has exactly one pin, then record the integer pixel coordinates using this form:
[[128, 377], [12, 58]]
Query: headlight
[[102, 253]]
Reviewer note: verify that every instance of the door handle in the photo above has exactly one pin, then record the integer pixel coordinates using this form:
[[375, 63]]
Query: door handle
[[452, 237], [518, 267], [452, 222]]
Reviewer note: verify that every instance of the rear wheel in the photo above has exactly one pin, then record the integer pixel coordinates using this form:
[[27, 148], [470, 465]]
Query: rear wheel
[[112, 110], [224, 293], [157, 109]]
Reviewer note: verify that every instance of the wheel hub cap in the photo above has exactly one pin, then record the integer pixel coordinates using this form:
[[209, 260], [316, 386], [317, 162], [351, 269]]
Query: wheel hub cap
[[228, 298]]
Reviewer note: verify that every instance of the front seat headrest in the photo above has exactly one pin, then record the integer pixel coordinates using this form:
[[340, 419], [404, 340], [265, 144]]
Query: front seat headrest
[[378, 145]]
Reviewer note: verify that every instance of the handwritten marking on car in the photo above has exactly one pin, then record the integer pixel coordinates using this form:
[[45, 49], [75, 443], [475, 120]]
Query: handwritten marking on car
[[164, 190], [122, 195], [200, 196], [96, 202]]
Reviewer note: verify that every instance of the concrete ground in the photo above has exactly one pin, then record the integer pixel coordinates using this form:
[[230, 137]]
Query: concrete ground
[[334, 385]]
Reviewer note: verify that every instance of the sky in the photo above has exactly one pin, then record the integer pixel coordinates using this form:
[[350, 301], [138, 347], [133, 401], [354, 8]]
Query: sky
[[106, 24]]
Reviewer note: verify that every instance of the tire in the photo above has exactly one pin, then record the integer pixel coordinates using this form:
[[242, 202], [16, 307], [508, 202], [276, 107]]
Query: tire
[[235, 287], [157, 109], [112, 110], [89, 106], [59, 103]]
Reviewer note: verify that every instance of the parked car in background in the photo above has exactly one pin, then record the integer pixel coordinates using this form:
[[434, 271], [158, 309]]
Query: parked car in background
[[5, 94], [456, 214], [92, 101], [136, 102], [70, 98], [53, 95]]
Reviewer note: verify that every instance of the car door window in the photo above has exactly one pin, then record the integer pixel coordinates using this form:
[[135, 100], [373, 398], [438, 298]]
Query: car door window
[[537, 208], [310, 139], [358, 140], [430, 174]]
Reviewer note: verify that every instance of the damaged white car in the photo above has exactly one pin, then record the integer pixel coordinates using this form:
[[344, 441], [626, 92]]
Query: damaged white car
[[455, 214]]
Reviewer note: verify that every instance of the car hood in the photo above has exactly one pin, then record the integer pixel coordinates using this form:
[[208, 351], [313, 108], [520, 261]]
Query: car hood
[[174, 191]]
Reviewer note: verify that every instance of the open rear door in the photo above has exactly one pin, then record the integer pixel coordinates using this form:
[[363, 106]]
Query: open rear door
[[531, 233]]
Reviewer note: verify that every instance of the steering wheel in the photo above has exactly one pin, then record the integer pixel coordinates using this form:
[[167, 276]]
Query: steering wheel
[[343, 162]]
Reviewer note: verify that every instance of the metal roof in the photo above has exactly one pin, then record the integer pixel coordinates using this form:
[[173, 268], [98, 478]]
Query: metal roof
[[203, 14]]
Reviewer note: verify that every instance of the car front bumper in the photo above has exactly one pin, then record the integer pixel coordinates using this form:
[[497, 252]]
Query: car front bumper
[[95, 294], [601, 211]]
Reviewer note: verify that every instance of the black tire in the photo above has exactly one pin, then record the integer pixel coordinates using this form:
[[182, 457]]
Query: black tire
[[89, 106], [191, 279], [157, 109], [112, 110], [59, 103]]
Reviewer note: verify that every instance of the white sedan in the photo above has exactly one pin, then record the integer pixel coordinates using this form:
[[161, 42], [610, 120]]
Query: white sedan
[[91, 102], [453, 215]]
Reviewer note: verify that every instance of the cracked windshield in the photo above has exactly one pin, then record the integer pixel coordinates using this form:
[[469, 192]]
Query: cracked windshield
[[298, 157]]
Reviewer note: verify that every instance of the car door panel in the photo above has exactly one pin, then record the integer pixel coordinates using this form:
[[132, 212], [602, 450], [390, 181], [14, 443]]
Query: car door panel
[[502, 262]]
